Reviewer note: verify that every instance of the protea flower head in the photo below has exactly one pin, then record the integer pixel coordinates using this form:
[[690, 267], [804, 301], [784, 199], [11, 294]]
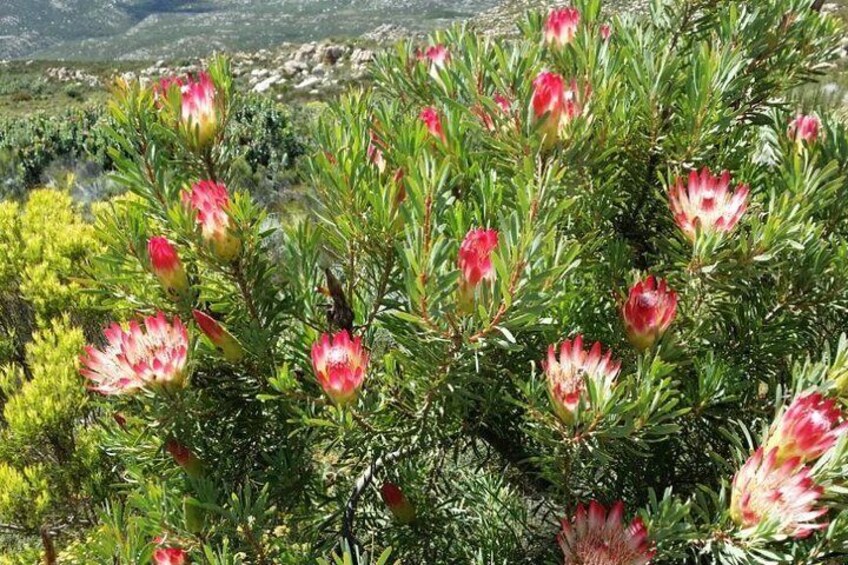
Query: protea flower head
[[398, 504], [561, 26], [375, 153], [136, 358], [199, 117], [600, 538], [166, 265], [782, 495], [569, 373], [210, 201], [430, 117], [169, 555], [705, 204], [650, 309], [437, 55], [810, 426], [606, 31], [553, 105], [804, 128], [184, 457], [475, 263], [340, 364], [223, 340]]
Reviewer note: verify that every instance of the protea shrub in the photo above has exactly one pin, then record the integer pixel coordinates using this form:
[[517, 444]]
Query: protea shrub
[[381, 344]]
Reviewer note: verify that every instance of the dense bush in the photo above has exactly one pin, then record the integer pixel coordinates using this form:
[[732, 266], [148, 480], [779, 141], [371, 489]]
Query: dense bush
[[39, 148], [408, 372]]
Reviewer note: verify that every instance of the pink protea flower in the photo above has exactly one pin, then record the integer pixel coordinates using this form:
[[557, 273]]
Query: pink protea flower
[[223, 340], [780, 494], [561, 26], [553, 105], [210, 202], [375, 152], [705, 204], [398, 504], [136, 358], [430, 117], [166, 265], [340, 365], [804, 128], [567, 375], [170, 556], [199, 116], [606, 31], [475, 256], [810, 426], [437, 55], [650, 308], [600, 538]]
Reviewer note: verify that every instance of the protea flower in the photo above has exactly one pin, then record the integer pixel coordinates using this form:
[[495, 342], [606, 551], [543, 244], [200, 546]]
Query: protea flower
[[210, 202], [561, 26], [199, 116], [166, 265], [184, 457], [340, 365], [169, 555], [810, 426], [568, 374], [430, 117], [438, 56], [782, 495], [705, 204], [375, 153], [606, 31], [804, 128], [398, 504], [223, 340], [136, 358], [648, 312], [475, 263], [600, 538], [553, 105]]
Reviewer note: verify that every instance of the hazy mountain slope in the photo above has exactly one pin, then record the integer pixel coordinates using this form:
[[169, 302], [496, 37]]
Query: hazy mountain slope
[[110, 29]]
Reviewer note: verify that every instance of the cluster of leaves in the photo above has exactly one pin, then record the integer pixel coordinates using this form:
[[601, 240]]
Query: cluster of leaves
[[454, 407], [50, 462]]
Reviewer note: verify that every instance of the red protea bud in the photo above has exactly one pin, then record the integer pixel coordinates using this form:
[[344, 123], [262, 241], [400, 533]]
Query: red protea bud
[[375, 153], [199, 117], [804, 129], [398, 504], [554, 106], [475, 263], [606, 31], [210, 202], [166, 265], [648, 312], [340, 365], [431, 119], [184, 458], [602, 538], [170, 556], [780, 494], [561, 26], [220, 337], [705, 204], [810, 426]]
